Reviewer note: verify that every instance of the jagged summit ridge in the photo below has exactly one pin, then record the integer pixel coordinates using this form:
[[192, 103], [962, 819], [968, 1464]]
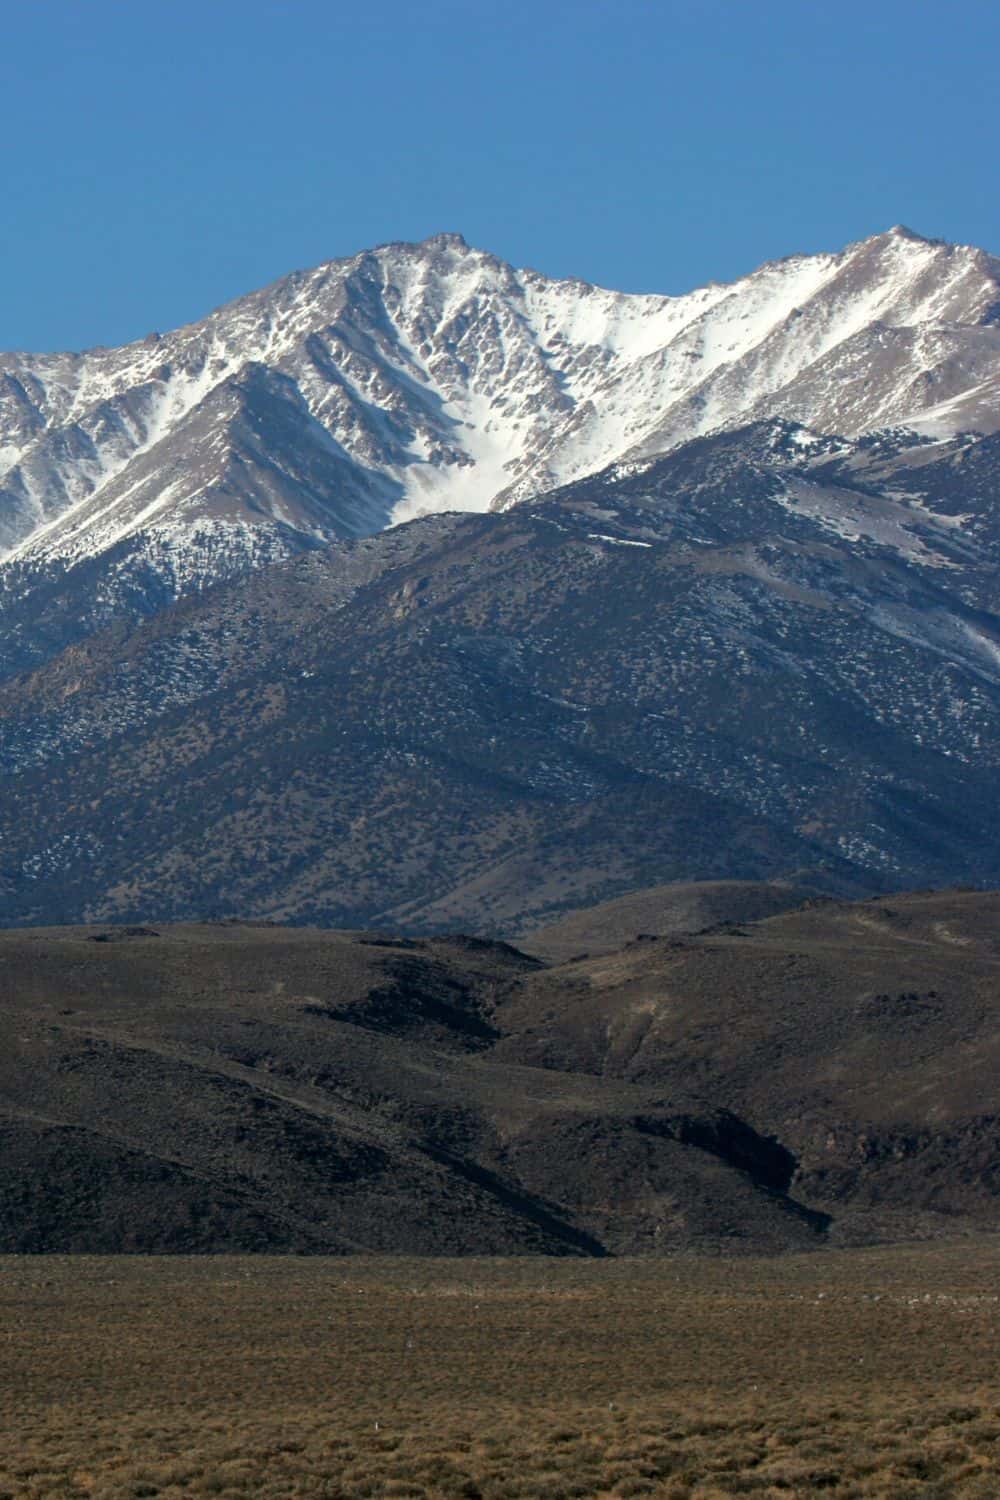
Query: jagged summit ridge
[[434, 376]]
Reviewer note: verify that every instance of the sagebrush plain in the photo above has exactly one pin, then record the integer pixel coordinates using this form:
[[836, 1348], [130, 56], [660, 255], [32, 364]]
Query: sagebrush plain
[[868, 1372]]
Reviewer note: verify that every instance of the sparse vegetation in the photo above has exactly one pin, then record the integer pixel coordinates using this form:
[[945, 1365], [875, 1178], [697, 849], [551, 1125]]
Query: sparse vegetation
[[822, 1078], [862, 1373]]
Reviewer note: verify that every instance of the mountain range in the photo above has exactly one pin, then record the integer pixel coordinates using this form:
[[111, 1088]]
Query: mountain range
[[431, 377], [698, 586]]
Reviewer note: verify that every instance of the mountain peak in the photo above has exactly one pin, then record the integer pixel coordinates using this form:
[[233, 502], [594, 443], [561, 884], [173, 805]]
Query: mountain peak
[[432, 247], [430, 376], [447, 239], [904, 232]]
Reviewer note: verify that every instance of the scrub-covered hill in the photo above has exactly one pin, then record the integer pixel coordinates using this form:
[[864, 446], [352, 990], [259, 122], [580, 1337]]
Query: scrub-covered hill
[[822, 1076]]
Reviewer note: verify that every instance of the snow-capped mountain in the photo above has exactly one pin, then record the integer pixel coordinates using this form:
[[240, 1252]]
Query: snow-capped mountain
[[428, 377]]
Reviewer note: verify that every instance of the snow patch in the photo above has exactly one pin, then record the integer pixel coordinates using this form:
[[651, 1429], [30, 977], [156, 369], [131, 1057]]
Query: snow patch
[[616, 541]]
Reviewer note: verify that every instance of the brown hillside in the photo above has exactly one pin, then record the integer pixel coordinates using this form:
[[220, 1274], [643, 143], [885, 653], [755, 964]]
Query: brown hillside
[[675, 910], [825, 1075]]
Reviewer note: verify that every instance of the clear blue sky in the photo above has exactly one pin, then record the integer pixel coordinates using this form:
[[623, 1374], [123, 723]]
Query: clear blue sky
[[163, 156]]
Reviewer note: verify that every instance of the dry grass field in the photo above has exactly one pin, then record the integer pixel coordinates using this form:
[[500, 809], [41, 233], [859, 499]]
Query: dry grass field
[[848, 1373]]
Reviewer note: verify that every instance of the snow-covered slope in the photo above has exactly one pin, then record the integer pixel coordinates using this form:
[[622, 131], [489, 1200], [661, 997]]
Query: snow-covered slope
[[427, 377]]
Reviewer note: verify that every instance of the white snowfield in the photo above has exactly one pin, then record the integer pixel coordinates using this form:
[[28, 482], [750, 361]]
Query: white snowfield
[[428, 377]]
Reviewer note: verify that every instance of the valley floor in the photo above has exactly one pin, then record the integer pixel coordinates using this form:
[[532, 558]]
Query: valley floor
[[848, 1373]]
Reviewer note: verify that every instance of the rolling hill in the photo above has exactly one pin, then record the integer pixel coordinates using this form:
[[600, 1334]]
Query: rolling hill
[[823, 1076]]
